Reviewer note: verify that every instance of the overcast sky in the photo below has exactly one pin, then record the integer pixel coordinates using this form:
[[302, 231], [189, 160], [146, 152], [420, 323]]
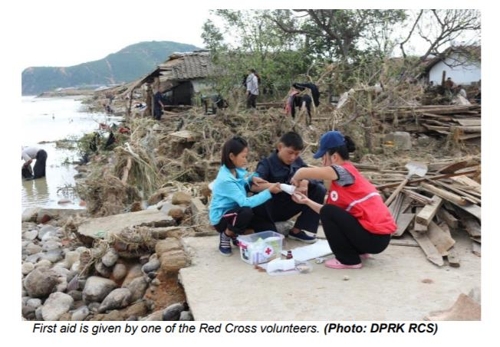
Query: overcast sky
[[66, 33]]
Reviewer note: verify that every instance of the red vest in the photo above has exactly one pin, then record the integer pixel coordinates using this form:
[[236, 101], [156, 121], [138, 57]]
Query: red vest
[[363, 201]]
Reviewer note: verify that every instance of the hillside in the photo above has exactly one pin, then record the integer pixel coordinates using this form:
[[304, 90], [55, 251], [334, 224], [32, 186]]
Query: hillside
[[126, 65]]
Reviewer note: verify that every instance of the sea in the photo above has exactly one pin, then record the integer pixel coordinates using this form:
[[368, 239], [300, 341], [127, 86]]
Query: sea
[[45, 121]]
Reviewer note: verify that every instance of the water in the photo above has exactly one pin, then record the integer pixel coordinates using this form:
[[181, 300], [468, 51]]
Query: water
[[49, 120]]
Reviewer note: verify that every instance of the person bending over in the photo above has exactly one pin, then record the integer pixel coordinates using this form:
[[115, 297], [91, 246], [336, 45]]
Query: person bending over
[[355, 219]]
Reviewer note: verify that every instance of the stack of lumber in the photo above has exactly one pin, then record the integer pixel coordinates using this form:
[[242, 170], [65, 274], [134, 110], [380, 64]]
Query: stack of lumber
[[463, 122], [433, 208]]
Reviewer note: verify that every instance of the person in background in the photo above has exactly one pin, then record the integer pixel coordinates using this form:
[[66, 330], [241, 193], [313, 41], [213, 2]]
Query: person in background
[[280, 167], [158, 105], [28, 154], [252, 85], [355, 219], [302, 101], [461, 91], [231, 209]]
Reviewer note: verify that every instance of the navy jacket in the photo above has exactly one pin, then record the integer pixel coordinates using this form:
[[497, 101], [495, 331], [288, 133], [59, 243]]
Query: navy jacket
[[273, 170]]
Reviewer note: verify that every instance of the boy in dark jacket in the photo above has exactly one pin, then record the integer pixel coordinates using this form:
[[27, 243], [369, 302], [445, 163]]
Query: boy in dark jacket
[[280, 167]]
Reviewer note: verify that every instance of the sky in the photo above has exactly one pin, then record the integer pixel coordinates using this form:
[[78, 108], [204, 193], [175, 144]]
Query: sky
[[66, 33]]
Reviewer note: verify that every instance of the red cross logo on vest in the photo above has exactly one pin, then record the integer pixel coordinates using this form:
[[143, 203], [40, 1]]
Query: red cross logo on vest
[[334, 195]]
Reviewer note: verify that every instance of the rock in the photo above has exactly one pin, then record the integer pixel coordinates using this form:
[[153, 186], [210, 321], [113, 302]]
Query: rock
[[30, 235], [119, 272], [401, 140], [173, 312], [176, 213], [118, 298], [181, 198], [80, 313], [46, 229], [53, 255], [33, 249], [56, 305], [27, 267], [152, 265], [103, 270], [97, 288], [40, 282], [43, 263], [137, 287], [134, 272], [30, 214], [34, 302], [186, 316], [110, 258]]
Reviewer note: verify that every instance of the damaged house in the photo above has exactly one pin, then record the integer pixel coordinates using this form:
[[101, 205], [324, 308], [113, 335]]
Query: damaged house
[[181, 78], [461, 63]]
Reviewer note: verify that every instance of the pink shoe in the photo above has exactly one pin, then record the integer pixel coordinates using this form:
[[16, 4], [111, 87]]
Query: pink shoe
[[335, 264], [365, 256]]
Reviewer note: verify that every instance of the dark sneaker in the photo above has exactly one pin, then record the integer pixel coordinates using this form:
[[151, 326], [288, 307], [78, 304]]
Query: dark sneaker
[[225, 245], [302, 236], [235, 241]]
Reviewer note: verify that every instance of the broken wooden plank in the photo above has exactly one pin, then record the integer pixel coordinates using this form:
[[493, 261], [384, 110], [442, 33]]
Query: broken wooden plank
[[417, 197], [472, 225], [427, 213], [471, 209], [454, 167], [448, 218], [404, 242], [431, 178], [403, 221], [466, 196], [469, 121], [464, 309], [429, 249], [186, 135], [453, 258], [476, 248], [440, 238], [456, 199], [468, 182]]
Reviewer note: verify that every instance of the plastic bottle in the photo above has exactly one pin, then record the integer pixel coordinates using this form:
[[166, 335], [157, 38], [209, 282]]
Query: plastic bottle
[[289, 255]]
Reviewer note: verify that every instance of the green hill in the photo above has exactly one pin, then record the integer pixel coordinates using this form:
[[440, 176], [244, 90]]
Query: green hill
[[126, 65]]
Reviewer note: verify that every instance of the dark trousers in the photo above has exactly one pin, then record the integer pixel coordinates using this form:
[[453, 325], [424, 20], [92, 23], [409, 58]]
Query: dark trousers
[[241, 218], [41, 160], [281, 207], [251, 101], [347, 238], [157, 113]]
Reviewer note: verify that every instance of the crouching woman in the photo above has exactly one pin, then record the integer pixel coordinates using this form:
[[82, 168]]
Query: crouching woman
[[355, 219]]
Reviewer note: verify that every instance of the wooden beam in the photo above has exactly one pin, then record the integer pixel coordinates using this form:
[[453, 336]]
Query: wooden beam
[[448, 218], [456, 199], [403, 221], [427, 213], [440, 238], [429, 249]]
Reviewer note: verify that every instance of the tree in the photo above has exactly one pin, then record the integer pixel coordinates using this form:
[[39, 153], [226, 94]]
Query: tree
[[440, 29], [239, 40]]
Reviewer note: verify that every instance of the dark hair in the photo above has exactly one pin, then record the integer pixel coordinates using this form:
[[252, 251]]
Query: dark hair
[[252, 70], [345, 149], [235, 145], [292, 139]]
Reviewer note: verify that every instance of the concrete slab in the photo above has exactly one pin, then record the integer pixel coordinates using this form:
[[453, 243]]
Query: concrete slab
[[105, 226], [398, 285]]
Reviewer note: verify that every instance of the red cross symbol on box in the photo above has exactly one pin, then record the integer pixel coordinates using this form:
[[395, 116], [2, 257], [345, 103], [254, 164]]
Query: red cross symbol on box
[[268, 251]]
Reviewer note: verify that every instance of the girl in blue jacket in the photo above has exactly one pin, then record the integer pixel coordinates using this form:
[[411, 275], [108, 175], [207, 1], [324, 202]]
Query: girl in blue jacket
[[231, 208]]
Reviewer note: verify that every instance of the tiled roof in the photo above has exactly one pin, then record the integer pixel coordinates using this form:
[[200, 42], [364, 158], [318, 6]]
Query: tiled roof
[[186, 66]]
